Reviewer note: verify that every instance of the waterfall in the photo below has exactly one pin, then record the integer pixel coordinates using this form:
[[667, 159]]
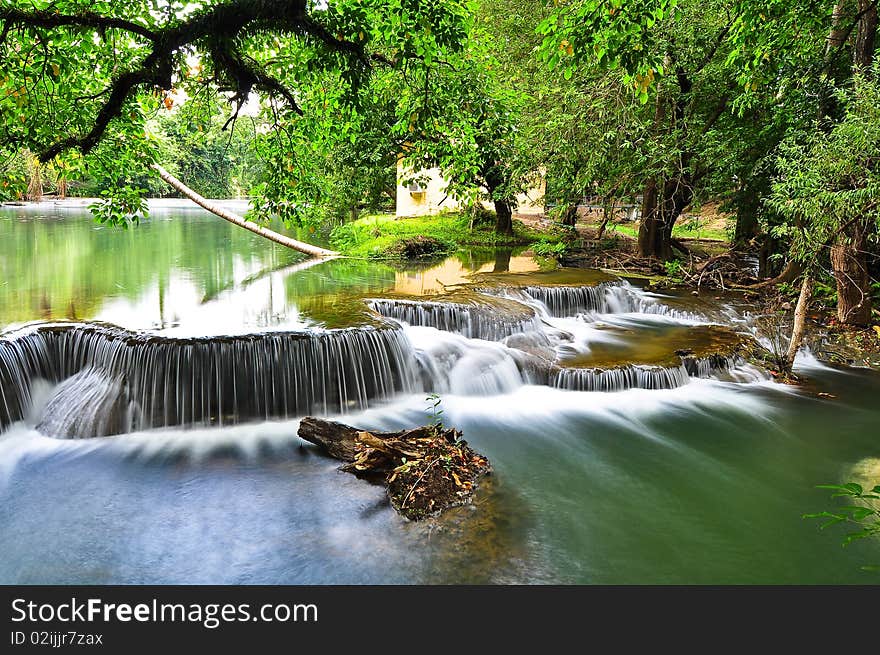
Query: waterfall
[[20, 365], [704, 367], [90, 403], [648, 377], [167, 381], [100, 380], [571, 301], [619, 379], [472, 321], [613, 297], [452, 363]]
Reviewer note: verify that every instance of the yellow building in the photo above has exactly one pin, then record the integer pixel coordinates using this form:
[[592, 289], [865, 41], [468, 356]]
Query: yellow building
[[428, 196]]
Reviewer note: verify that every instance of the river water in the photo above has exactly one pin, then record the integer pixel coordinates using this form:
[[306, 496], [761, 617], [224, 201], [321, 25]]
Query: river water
[[668, 474]]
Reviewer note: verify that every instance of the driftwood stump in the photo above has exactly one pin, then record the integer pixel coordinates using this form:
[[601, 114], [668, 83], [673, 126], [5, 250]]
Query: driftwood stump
[[426, 470]]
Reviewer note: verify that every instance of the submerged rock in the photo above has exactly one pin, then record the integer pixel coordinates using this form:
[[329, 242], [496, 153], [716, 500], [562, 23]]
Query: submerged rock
[[87, 404]]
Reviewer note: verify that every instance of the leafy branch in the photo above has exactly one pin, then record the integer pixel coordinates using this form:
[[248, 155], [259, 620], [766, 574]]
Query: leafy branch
[[866, 516]]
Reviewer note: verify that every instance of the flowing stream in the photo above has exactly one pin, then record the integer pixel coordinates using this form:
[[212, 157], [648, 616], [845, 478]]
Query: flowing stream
[[151, 383]]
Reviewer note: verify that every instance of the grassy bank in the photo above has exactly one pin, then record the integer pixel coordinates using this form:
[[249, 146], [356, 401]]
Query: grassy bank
[[681, 231], [383, 236]]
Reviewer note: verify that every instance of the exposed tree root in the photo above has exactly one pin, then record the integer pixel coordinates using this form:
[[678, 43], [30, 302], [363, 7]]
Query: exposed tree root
[[426, 470]]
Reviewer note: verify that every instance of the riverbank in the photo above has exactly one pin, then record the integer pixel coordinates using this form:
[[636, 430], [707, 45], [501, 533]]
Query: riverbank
[[385, 236], [706, 264]]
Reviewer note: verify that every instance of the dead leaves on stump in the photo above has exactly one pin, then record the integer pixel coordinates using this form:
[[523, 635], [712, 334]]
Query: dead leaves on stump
[[426, 470], [424, 476]]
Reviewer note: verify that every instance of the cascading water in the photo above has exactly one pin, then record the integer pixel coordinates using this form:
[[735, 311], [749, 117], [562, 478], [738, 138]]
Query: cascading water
[[546, 350], [607, 488], [618, 379], [110, 381], [20, 365], [571, 301], [471, 321], [90, 403], [611, 297], [185, 381], [654, 377]]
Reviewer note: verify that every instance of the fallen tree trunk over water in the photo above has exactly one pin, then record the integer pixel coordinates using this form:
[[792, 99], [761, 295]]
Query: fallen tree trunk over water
[[280, 239], [427, 470]]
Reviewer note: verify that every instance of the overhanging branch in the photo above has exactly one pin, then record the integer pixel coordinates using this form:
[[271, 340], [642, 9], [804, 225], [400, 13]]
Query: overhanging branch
[[222, 24], [83, 20]]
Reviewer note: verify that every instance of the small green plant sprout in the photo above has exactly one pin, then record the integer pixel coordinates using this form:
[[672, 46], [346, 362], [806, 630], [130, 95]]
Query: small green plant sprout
[[673, 269], [866, 516], [434, 409], [787, 289]]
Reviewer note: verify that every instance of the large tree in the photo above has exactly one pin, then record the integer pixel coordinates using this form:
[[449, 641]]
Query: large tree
[[456, 115], [84, 76], [731, 80], [694, 137]]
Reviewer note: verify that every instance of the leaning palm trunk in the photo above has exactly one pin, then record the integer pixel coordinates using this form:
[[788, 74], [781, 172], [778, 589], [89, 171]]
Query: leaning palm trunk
[[280, 239]]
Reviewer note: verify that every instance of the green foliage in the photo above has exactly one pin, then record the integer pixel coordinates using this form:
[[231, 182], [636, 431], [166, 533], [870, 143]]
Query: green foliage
[[865, 515], [120, 61], [673, 269], [788, 289], [610, 34], [465, 125], [731, 80], [602, 97], [546, 248], [825, 290], [829, 178], [377, 237], [194, 146], [778, 49], [123, 206], [13, 176]]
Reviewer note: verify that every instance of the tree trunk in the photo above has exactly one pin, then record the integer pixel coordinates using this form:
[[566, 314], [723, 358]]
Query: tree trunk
[[35, 179], [344, 442], [746, 228], [789, 274], [866, 35], [764, 252], [649, 225], [849, 252], [850, 266], [569, 217], [836, 38], [427, 470], [677, 195], [800, 320], [662, 205], [280, 239], [660, 210], [607, 213], [746, 215], [503, 218]]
